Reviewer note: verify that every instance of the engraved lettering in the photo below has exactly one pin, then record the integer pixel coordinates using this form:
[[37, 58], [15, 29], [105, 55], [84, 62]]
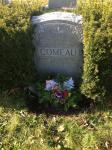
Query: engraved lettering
[[68, 53], [72, 52], [49, 52], [42, 52], [57, 52]]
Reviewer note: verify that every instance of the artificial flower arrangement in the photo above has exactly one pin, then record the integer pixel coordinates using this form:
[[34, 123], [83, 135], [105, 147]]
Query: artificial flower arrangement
[[58, 93]]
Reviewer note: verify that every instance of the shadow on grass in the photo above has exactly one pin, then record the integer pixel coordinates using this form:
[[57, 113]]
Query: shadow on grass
[[34, 107], [16, 99], [13, 99]]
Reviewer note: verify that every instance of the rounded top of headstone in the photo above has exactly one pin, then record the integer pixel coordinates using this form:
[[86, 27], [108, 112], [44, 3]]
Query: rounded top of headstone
[[63, 16]]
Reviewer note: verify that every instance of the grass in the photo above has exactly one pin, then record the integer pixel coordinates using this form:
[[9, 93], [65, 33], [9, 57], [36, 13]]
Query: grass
[[22, 130]]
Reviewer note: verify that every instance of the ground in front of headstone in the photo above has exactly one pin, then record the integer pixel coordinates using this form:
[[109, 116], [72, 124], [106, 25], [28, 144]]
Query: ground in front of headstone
[[58, 94]]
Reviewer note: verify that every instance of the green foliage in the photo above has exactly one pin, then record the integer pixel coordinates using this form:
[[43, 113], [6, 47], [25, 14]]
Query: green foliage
[[97, 31], [16, 50], [48, 98]]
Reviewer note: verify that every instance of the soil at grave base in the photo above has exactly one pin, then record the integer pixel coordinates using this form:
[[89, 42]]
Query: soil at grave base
[[34, 107]]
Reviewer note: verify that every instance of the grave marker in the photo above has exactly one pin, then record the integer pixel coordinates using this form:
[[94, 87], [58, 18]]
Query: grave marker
[[62, 3], [57, 40]]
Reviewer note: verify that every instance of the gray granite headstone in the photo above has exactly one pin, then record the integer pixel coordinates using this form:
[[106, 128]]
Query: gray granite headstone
[[62, 3], [57, 40], [8, 1]]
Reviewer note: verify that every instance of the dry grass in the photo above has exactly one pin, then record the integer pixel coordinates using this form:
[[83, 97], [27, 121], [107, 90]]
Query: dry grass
[[23, 130]]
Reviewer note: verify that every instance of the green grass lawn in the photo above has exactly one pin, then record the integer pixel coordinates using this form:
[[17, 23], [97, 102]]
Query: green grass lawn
[[22, 130]]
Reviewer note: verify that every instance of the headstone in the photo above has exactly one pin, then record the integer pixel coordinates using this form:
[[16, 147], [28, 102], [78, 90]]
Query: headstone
[[57, 39], [62, 3], [8, 1]]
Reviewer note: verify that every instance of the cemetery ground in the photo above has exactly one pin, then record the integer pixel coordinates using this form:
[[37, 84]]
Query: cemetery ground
[[87, 129]]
